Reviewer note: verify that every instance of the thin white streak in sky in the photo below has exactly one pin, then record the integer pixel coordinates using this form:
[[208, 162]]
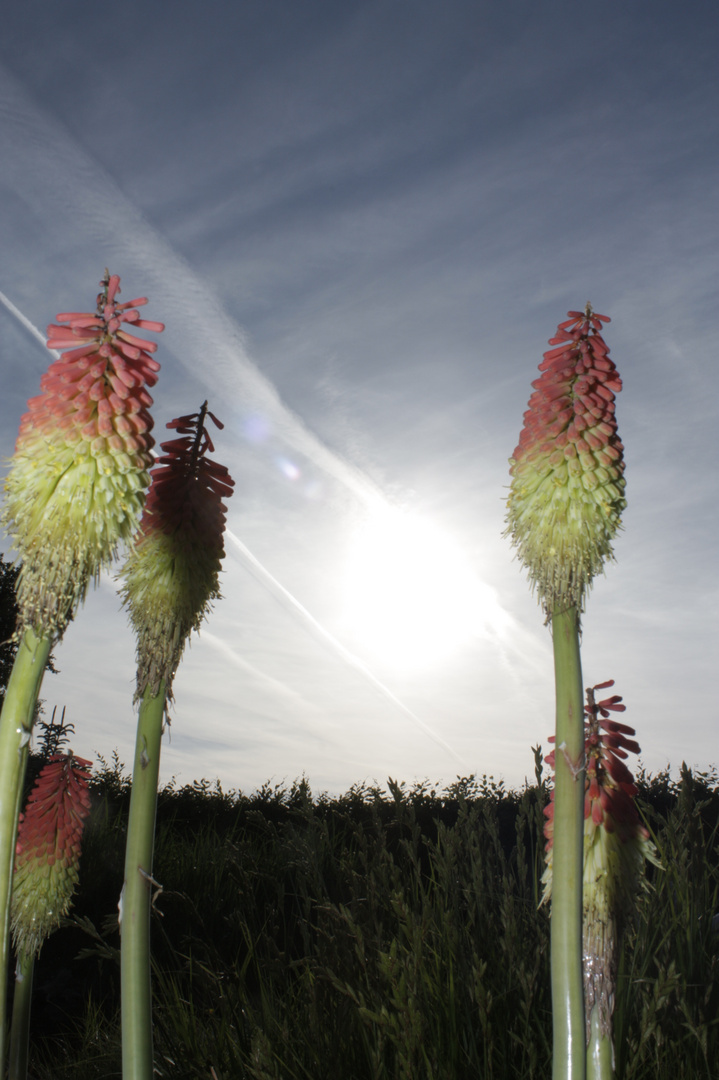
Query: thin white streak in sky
[[289, 602], [24, 321], [46, 165], [239, 661]]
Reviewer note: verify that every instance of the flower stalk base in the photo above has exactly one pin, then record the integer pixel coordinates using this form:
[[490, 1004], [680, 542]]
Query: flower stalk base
[[20, 1029], [136, 899], [566, 919], [16, 723], [600, 1054]]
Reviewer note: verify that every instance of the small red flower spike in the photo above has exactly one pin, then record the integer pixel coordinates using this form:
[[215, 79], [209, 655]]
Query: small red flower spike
[[171, 576], [48, 851], [567, 490], [616, 846], [77, 480]]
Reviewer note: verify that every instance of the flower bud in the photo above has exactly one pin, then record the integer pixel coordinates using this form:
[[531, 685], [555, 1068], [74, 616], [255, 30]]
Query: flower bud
[[48, 851], [616, 847]]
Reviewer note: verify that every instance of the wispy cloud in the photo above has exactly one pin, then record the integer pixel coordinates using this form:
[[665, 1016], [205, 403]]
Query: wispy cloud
[[42, 159], [205, 338]]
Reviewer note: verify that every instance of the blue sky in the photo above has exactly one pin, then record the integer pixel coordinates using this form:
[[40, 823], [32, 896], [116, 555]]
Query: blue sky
[[361, 222]]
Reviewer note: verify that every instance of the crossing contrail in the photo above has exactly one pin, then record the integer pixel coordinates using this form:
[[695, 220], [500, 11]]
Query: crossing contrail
[[275, 685], [24, 321]]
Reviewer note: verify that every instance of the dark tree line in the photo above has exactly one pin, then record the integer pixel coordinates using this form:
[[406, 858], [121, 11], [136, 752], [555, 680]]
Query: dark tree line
[[8, 619], [8, 622]]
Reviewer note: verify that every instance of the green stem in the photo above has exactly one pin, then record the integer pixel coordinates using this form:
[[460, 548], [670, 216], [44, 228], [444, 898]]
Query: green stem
[[20, 1030], [599, 1051], [16, 722], [569, 1058], [136, 990]]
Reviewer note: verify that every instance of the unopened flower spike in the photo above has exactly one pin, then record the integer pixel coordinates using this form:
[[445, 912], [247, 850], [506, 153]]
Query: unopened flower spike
[[171, 575], [567, 492], [48, 851], [169, 581], [616, 847], [76, 484]]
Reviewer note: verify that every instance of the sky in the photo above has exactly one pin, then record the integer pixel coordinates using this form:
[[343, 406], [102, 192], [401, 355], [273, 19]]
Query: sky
[[361, 223]]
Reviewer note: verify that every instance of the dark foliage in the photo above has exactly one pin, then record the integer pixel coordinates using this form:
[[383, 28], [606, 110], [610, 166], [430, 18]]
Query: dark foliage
[[8, 622], [8, 619], [375, 935]]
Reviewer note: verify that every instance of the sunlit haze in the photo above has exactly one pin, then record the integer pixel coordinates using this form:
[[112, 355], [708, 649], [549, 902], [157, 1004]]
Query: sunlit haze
[[411, 597]]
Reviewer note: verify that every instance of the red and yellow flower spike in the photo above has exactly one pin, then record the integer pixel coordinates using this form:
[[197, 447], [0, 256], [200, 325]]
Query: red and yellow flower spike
[[169, 581], [563, 511], [567, 491], [48, 851], [616, 847], [81, 465], [171, 575]]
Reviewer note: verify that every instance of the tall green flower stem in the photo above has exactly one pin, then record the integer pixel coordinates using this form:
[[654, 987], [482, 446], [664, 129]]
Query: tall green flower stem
[[15, 728], [20, 1028], [563, 511], [566, 919], [136, 992], [170, 579], [600, 1054]]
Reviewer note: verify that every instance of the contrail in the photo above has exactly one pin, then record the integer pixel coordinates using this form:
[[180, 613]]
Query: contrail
[[275, 685], [44, 161], [288, 601], [24, 321]]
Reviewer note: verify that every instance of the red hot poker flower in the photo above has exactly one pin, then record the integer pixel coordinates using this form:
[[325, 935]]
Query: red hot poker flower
[[567, 490], [616, 846], [610, 788], [48, 851], [172, 575], [81, 465], [609, 799]]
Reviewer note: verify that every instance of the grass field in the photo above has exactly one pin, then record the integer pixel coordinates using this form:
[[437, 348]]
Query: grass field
[[384, 934]]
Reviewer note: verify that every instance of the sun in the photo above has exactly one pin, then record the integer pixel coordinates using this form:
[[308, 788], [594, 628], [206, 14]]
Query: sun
[[411, 597]]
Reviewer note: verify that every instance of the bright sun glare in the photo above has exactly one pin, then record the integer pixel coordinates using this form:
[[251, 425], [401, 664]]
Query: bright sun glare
[[411, 597]]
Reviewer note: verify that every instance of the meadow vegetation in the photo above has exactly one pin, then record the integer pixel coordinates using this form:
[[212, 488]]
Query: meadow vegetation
[[386, 934]]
